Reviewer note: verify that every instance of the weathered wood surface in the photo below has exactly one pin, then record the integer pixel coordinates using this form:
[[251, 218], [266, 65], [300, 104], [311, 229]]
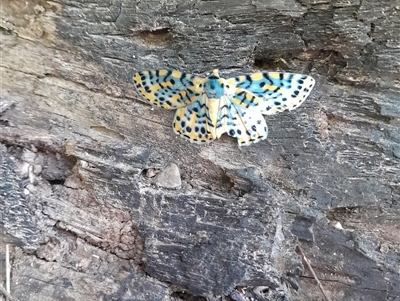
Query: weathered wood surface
[[89, 218]]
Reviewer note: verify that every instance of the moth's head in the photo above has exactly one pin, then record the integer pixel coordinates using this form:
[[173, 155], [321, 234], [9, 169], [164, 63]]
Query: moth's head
[[215, 73], [214, 86]]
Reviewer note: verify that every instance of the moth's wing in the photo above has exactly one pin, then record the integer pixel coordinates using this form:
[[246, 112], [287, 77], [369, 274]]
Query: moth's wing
[[247, 125], [271, 92], [168, 89], [193, 122]]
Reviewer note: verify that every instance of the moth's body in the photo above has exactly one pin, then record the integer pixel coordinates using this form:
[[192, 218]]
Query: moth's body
[[209, 107], [214, 91]]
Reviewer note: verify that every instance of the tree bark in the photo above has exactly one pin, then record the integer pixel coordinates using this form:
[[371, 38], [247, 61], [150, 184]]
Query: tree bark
[[102, 201]]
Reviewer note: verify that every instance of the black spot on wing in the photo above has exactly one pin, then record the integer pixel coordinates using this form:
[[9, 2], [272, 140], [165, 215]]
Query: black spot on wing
[[183, 76], [266, 76], [169, 72]]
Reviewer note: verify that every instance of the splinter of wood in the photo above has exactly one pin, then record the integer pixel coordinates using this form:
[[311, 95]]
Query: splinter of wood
[[6, 294], [308, 264]]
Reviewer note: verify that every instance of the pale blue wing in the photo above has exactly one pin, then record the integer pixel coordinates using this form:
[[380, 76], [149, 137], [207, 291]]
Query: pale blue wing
[[271, 92], [168, 89]]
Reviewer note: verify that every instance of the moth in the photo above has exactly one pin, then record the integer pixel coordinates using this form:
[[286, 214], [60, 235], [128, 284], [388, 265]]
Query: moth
[[208, 107]]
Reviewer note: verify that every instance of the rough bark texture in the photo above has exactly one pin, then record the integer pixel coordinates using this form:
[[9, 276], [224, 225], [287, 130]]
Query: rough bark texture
[[86, 200]]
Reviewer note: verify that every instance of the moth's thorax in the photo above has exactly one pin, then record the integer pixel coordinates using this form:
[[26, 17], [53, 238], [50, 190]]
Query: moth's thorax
[[213, 86]]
